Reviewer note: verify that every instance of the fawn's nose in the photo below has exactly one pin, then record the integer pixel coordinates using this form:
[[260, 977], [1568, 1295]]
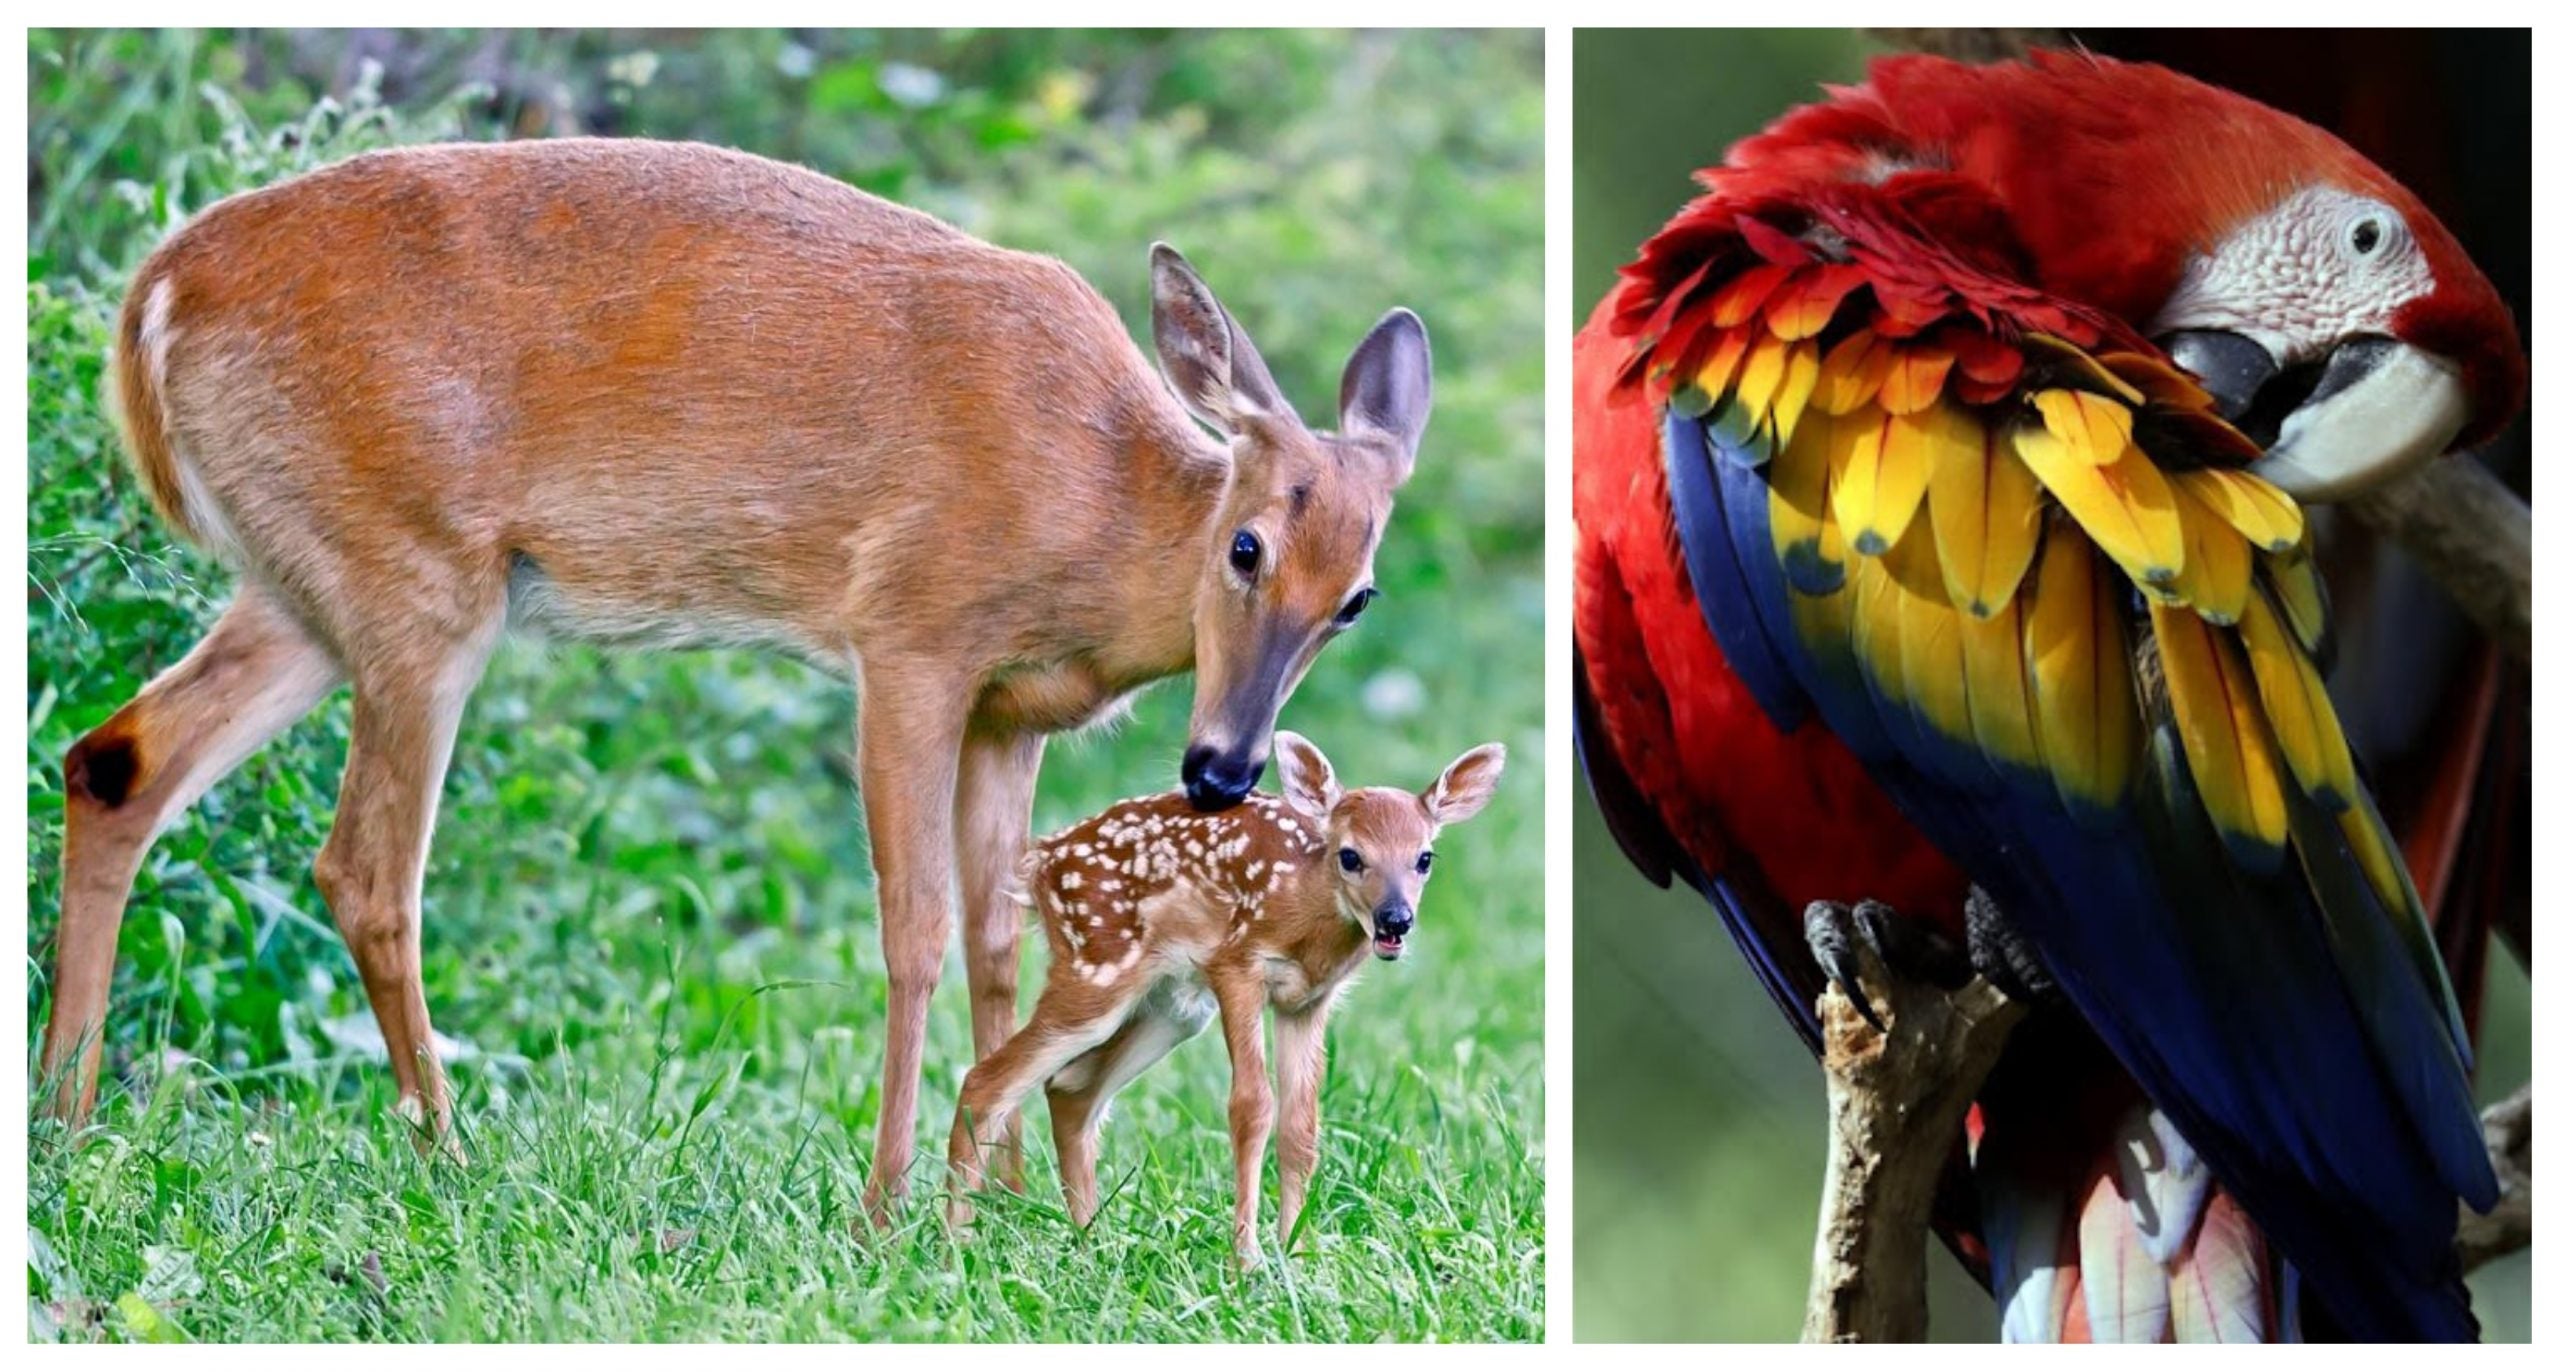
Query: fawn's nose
[[1215, 781], [1395, 921]]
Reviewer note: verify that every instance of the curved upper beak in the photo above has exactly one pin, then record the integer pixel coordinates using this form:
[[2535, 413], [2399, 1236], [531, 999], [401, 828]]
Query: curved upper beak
[[2339, 425], [2382, 407]]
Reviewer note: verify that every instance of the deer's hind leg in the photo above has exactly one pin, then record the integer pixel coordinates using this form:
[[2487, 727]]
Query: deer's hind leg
[[125, 781], [1075, 1015], [411, 682], [1080, 1096]]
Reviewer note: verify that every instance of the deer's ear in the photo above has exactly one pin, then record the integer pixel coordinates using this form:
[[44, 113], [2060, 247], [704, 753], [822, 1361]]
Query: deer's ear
[[1386, 388], [1211, 364], [1306, 778], [1464, 789]]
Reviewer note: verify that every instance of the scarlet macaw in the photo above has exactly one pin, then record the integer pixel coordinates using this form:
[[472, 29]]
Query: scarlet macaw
[[1936, 485]]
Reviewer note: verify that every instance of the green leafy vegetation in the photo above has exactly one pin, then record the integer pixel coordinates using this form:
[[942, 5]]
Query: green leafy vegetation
[[650, 927]]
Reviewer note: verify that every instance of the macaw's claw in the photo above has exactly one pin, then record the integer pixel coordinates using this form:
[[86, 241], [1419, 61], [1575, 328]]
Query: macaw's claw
[[1855, 944], [2002, 956]]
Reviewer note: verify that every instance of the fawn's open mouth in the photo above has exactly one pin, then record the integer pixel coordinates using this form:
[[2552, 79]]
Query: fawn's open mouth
[[1390, 946]]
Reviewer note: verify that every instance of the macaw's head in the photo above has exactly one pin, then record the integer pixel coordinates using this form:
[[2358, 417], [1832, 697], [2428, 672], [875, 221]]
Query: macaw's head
[[2334, 317]]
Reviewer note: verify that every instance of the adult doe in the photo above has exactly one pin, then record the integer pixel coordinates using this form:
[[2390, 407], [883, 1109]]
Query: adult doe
[[1159, 918], [657, 393]]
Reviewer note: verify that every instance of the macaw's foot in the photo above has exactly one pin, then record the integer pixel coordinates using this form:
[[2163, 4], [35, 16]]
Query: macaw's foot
[[2002, 956], [1854, 945]]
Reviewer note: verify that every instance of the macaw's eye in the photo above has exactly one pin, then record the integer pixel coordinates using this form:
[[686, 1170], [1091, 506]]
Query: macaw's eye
[[2365, 236], [1351, 860], [1351, 608], [1422, 864], [1245, 554]]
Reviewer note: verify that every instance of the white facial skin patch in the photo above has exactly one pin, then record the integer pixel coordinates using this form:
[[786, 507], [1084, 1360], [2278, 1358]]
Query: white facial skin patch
[[2320, 268]]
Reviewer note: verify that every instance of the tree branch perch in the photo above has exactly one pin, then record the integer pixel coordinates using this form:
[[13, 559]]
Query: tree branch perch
[[1897, 1100]]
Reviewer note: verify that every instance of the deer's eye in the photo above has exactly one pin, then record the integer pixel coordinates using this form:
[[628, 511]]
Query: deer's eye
[[1245, 554], [1351, 860], [1351, 608], [1422, 864]]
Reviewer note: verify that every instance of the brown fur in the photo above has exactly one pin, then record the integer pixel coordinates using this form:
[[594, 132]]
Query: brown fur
[[668, 393], [1153, 909]]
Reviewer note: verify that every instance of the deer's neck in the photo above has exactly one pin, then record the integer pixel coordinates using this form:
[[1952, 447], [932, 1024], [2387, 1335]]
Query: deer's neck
[[1177, 484]]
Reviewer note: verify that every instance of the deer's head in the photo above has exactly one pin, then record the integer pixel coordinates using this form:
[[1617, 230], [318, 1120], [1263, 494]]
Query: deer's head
[[1379, 838], [1286, 565]]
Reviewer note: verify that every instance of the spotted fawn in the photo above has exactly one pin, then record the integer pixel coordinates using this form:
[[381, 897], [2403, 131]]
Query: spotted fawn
[[1159, 916]]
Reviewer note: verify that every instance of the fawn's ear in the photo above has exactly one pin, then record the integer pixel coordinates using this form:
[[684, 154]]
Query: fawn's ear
[[1465, 788], [1211, 364], [1386, 388], [1306, 778]]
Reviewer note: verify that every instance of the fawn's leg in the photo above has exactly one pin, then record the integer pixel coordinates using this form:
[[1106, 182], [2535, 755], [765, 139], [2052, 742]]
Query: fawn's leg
[[1074, 1015], [410, 691], [124, 782], [1297, 1043], [997, 776], [911, 724], [1080, 1096], [1241, 993]]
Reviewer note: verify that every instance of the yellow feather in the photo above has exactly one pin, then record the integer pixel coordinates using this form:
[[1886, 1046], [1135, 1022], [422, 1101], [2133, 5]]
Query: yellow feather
[[2125, 506], [1847, 381], [2248, 503], [2079, 675], [2295, 578], [1995, 683], [2215, 580], [1875, 625], [1804, 366], [1892, 474], [1721, 364], [1931, 634], [2098, 428], [2225, 732], [1761, 373], [2298, 708], [1986, 509], [1801, 526], [2376, 855]]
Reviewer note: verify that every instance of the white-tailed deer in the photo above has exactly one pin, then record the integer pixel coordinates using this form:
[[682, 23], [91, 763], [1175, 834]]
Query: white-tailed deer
[[1159, 917], [662, 393]]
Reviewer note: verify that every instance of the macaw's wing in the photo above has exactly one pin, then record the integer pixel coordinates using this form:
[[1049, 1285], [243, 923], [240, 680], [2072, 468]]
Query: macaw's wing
[[2009, 555]]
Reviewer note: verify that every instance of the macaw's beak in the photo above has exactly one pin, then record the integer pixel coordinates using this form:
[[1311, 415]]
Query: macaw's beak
[[2336, 427]]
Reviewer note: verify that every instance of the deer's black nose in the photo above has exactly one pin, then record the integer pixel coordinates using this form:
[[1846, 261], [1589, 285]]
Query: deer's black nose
[[1215, 781], [1395, 921]]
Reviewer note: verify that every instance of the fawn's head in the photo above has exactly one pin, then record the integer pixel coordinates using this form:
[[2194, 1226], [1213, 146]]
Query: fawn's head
[[1287, 562], [1378, 839]]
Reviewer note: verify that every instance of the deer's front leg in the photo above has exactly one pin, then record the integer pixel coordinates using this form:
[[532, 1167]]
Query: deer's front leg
[[1297, 1041], [998, 773], [911, 725], [1240, 995]]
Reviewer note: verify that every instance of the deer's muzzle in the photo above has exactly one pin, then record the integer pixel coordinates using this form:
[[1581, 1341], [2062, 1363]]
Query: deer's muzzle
[[1214, 780]]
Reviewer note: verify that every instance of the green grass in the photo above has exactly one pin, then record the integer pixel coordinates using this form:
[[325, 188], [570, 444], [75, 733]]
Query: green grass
[[649, 921]]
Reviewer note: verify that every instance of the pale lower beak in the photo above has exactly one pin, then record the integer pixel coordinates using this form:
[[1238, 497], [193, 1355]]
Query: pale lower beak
[[2382, 407]]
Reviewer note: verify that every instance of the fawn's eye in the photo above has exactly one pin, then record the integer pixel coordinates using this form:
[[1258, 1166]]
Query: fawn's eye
[[1351, 608], [1422, 864], [1351, 860], [1245, 554]]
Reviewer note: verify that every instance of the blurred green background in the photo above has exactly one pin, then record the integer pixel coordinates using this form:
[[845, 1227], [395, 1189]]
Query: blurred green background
[[649, 921], [1698, 1116]]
